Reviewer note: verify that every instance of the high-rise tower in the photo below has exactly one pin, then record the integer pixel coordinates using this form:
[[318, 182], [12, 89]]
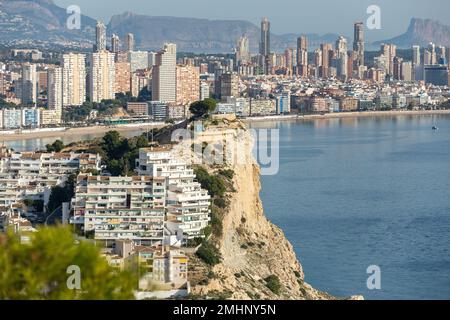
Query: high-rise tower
[[100, 37], [358, 43]]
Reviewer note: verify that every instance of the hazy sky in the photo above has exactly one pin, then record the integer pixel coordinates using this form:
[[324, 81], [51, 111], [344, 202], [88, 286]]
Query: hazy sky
[[287, 16]]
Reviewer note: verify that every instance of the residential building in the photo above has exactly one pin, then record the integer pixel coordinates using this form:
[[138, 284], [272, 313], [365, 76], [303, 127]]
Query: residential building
[[102, 76], [188, 84], [55, 89], [164, 76], [31, 175], [74, 79], [29, 84], [128, 208], [122, 77], [188, 205]]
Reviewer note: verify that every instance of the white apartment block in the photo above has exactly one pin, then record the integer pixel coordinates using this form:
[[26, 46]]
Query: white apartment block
[[188, 205], [115, 208], [29, 88], [74, 79], [102, 76], [55, 89], [164, 86], [12, 118], [31, 175]]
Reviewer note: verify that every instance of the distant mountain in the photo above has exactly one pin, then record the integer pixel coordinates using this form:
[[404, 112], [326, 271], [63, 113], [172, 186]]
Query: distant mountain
[[422, 32], [43, 23], [24, 21], [199, 35]]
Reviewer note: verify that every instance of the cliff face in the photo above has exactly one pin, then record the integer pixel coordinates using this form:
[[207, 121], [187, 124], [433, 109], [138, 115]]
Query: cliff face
[[252, 248], [422, 32]]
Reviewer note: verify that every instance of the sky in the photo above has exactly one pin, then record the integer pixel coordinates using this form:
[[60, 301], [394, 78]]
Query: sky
[[286, 16]]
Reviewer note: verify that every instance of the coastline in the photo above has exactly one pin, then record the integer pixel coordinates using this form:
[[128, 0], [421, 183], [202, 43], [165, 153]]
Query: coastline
[[336, 115], [77, 131], [28, 135]]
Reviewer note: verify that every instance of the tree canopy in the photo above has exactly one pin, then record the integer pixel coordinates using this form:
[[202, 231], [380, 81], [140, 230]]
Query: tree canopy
[[202, 108], [44, 269]]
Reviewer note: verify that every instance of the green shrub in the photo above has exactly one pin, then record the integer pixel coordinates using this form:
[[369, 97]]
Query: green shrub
[[273, 283], [209, 254], [228, 173], [216, 224], [213, 184], [220, 202]]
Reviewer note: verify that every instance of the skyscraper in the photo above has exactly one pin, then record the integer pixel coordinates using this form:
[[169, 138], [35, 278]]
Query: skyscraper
[[441, 55], [432, 50], [29, 85], [164, 86], [416, 55], [102, 76], [264, 45], [55, 88], [129, 42], [326, 49], [290, 57], [100, 37], [115, 43], [74, 79], [358, 43], [342, 57], [242, 51], [302, 56]]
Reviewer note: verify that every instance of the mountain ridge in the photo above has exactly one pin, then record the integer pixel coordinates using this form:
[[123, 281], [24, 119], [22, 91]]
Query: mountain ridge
[[421, 32], [31, 23]]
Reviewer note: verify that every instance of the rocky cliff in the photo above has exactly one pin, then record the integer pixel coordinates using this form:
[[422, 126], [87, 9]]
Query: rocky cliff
[[422, 32], [252, 249]]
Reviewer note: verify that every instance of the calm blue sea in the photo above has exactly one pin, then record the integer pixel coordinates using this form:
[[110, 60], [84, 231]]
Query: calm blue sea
[[352, 193]]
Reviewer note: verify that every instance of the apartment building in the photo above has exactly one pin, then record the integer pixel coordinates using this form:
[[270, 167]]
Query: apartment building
[[31, 175], [114, 208], [163, 266], [188, 205]]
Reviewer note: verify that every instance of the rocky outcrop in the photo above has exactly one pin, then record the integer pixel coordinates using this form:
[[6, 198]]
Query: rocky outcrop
[[422, 32], [252, 248]]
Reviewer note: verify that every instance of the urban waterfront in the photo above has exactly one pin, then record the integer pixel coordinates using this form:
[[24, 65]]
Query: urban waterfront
[[356, 192]]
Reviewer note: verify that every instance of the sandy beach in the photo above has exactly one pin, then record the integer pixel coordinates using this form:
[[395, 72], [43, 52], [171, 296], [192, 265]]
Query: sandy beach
[[147, 126], [77, 131]]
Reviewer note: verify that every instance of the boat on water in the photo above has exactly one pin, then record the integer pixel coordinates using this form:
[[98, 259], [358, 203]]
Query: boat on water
[[435, 128]]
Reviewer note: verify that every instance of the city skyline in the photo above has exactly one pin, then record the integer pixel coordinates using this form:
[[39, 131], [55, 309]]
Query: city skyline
[[297, 19]]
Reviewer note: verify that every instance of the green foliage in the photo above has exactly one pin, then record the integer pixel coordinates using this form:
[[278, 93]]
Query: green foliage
[[207, 231], [56, 146], [202, 108], [216, 223], [209, 254], [220, 202], [273, 283], [61, 194], [120, 154], [213, 184], [39, 270], [37, 204], [227, 173]]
